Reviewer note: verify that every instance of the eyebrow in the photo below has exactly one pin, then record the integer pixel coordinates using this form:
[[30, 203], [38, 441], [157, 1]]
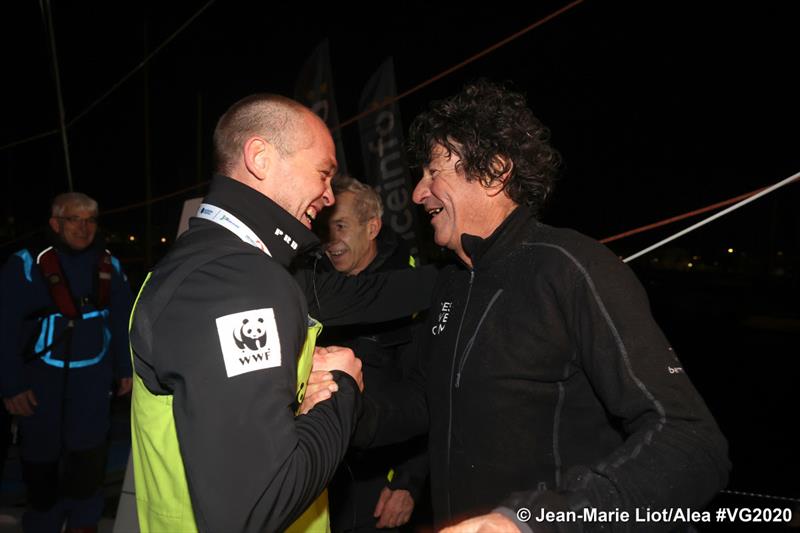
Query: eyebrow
[[331, 167]]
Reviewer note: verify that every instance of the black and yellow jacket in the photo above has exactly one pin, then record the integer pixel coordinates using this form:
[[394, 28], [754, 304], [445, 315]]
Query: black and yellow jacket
[[220, 351]]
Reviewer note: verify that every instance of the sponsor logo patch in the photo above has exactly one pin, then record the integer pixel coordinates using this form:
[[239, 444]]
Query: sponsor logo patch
[[444, 316], [249, 341]]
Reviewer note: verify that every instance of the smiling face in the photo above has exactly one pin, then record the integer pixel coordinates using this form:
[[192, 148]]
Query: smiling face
[[301, 181], [455, 205], [77, 227], [352, 245]]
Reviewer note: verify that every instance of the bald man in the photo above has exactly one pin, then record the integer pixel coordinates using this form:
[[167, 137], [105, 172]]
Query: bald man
[[222, 341]]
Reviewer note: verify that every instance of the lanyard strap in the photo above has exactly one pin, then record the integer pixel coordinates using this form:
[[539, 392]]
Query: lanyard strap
[[230, 222]]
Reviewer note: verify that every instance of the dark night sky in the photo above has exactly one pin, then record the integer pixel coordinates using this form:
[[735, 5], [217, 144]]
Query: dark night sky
[[658, 107]]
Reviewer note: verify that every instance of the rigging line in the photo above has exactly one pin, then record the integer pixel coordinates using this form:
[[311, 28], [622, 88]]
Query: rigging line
[[29, 139], [22, 237], [464, 63], [757, 495], [47, 15], [676, 218], [154, 200], [715, 216], [341, 124], [114, 87], [140, 65], [115, 210]]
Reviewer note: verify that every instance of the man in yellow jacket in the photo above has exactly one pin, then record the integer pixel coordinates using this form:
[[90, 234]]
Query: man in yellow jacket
[[217, 336]]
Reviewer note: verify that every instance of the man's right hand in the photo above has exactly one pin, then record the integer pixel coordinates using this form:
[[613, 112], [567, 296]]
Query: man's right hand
[[339, 358], [319, 388], [22, 404]]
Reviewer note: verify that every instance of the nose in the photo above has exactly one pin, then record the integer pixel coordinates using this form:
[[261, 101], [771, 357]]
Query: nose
[[421, 191], [328, 199]]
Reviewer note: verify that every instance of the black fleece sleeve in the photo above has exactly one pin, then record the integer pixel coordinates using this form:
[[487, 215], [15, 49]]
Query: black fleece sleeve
[[399, 410], [250, 463], [337, 300], [411, 473], [673, 456]]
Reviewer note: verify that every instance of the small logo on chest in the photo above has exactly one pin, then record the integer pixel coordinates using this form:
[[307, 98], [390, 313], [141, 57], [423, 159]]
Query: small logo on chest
[[444, 316]]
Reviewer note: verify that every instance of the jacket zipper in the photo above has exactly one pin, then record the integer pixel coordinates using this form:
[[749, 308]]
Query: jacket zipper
[[450, 410], [468, 349]]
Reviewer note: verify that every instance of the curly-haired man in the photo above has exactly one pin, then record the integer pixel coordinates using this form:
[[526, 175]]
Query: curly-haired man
[[548, 387]]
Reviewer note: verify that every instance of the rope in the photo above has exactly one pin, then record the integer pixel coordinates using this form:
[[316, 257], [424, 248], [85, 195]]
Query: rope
[[464, 63], [156, 199], [116, 210], [757, 495], [351, 120], [713, 217], [679, 217], [141, 64], [47, 15], [29, 139], [117, 85], [21, 238], [341, 124]]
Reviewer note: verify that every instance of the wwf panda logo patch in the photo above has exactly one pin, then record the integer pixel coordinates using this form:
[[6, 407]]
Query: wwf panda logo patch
[[251, 335], [249, 341]]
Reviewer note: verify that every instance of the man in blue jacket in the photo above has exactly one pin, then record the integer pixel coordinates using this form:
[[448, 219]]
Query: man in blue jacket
[[63, 342]]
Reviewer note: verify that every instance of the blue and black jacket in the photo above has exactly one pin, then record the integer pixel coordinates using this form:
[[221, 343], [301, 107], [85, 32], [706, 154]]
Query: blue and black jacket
[[33, 329]]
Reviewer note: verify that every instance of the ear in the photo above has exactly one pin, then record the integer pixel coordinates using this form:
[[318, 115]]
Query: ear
[[54, 225], [374, 226], [503, 166], [258, 154]]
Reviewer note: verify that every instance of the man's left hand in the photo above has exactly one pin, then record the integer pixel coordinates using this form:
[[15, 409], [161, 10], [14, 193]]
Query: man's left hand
[[125, 385], [394, 508], [488, 523]]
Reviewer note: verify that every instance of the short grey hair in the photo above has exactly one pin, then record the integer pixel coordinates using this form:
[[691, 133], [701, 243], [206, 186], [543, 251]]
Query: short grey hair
[[77, 200], [276, 117], [368, 201]]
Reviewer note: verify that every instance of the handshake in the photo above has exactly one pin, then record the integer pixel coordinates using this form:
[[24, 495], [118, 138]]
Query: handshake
[[321, 385]]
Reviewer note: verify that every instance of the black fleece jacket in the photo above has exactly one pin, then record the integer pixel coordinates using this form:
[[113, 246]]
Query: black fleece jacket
[[549, 385]]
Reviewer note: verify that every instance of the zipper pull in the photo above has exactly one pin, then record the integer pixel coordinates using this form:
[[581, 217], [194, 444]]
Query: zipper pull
[[458, 379]]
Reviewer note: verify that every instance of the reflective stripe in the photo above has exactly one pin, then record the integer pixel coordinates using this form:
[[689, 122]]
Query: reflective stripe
[[48, 331], [115, 263], [39, 257], [27, 263]]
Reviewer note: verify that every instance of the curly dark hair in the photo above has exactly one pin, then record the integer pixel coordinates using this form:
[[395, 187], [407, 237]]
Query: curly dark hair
[[486, 120]]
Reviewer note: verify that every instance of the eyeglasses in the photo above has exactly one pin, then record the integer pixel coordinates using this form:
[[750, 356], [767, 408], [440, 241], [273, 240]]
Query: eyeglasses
[[75, 220]]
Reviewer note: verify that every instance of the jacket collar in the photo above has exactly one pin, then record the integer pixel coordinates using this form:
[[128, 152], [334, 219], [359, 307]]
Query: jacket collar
[[485, 251], [391, 253], [276, 228]]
